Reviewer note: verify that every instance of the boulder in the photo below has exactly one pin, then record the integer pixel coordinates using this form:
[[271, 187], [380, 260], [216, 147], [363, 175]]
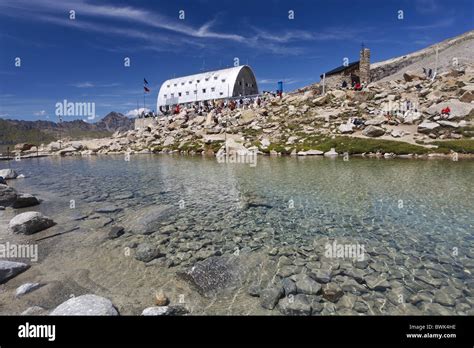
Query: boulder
[[8, 174], [2, 181], [30, 222], [91, 305], [346, 128], [314, 153], [448, 124], [270, 296], [213, 274], [320, 101], [115, 232], [331, 153], [169, 140], [467, 96], [9, 269], [413, 75], [24, 200], [8, 195], [332, 292], [26, 288], [427, 127], [146, 252], [295, 305], [458, 108], [289, 286], [306, 285], [376, 121], [373, 131], [165, 310]]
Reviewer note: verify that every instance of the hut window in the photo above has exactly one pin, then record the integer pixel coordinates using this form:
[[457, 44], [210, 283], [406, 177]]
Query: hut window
[[203, 90]]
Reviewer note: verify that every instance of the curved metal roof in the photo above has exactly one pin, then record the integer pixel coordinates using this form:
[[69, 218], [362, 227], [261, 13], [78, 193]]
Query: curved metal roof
[[209, 85]]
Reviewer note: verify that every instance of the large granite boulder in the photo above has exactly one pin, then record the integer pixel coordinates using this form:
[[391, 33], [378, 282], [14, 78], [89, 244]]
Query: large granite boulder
[[30, 222], [427, 127], [86, 305], [9, 269], [373, 131], [24, 200], [458, 108]]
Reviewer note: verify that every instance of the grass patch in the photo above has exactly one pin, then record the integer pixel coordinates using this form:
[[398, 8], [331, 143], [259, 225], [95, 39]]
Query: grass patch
[[360, 145], [460, 145]]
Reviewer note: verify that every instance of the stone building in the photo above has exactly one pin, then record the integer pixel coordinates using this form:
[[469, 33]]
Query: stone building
[[352, 73]]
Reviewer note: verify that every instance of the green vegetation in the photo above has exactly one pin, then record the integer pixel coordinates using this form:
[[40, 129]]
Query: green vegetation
[[359, 145], [11, 135], [467, 132], [461, 146]]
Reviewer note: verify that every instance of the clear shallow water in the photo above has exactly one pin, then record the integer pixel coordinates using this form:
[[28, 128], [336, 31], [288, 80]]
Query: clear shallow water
[[413, 217]]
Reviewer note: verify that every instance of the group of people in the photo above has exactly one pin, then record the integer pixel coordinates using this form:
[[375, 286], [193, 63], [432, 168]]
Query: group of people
[[206, 106], [357, 86]]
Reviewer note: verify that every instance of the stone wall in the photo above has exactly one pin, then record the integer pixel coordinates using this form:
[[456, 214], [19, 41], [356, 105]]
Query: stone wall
[[335, 80], [141, 123]]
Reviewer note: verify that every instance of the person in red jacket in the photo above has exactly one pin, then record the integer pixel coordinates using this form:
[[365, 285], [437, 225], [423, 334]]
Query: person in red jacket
[[358, 87], [446, 111]]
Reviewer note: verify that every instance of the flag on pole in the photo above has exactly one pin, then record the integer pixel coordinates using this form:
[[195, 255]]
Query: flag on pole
[[147, 90], [145, 81]]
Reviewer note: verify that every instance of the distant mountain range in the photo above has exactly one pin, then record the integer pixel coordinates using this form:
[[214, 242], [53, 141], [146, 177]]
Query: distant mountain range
[[36, 132]]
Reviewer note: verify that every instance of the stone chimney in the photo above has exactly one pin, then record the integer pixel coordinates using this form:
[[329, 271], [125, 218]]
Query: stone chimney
[[364, 65]]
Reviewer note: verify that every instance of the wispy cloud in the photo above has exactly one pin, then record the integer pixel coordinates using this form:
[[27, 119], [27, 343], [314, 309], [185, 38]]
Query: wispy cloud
[[40, 113], [88, 84], [426, 6], [159, 32], [443, 23]]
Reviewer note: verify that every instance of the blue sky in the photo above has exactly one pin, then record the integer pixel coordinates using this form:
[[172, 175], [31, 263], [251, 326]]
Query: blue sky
[[82, 60]]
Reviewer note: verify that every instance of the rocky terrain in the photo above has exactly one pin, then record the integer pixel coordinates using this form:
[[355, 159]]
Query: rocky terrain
[[398, 117]]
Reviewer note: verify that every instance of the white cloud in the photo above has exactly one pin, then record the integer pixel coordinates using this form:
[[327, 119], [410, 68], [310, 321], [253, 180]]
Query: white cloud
[[83, 85], [443, 23], [136, 112]]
